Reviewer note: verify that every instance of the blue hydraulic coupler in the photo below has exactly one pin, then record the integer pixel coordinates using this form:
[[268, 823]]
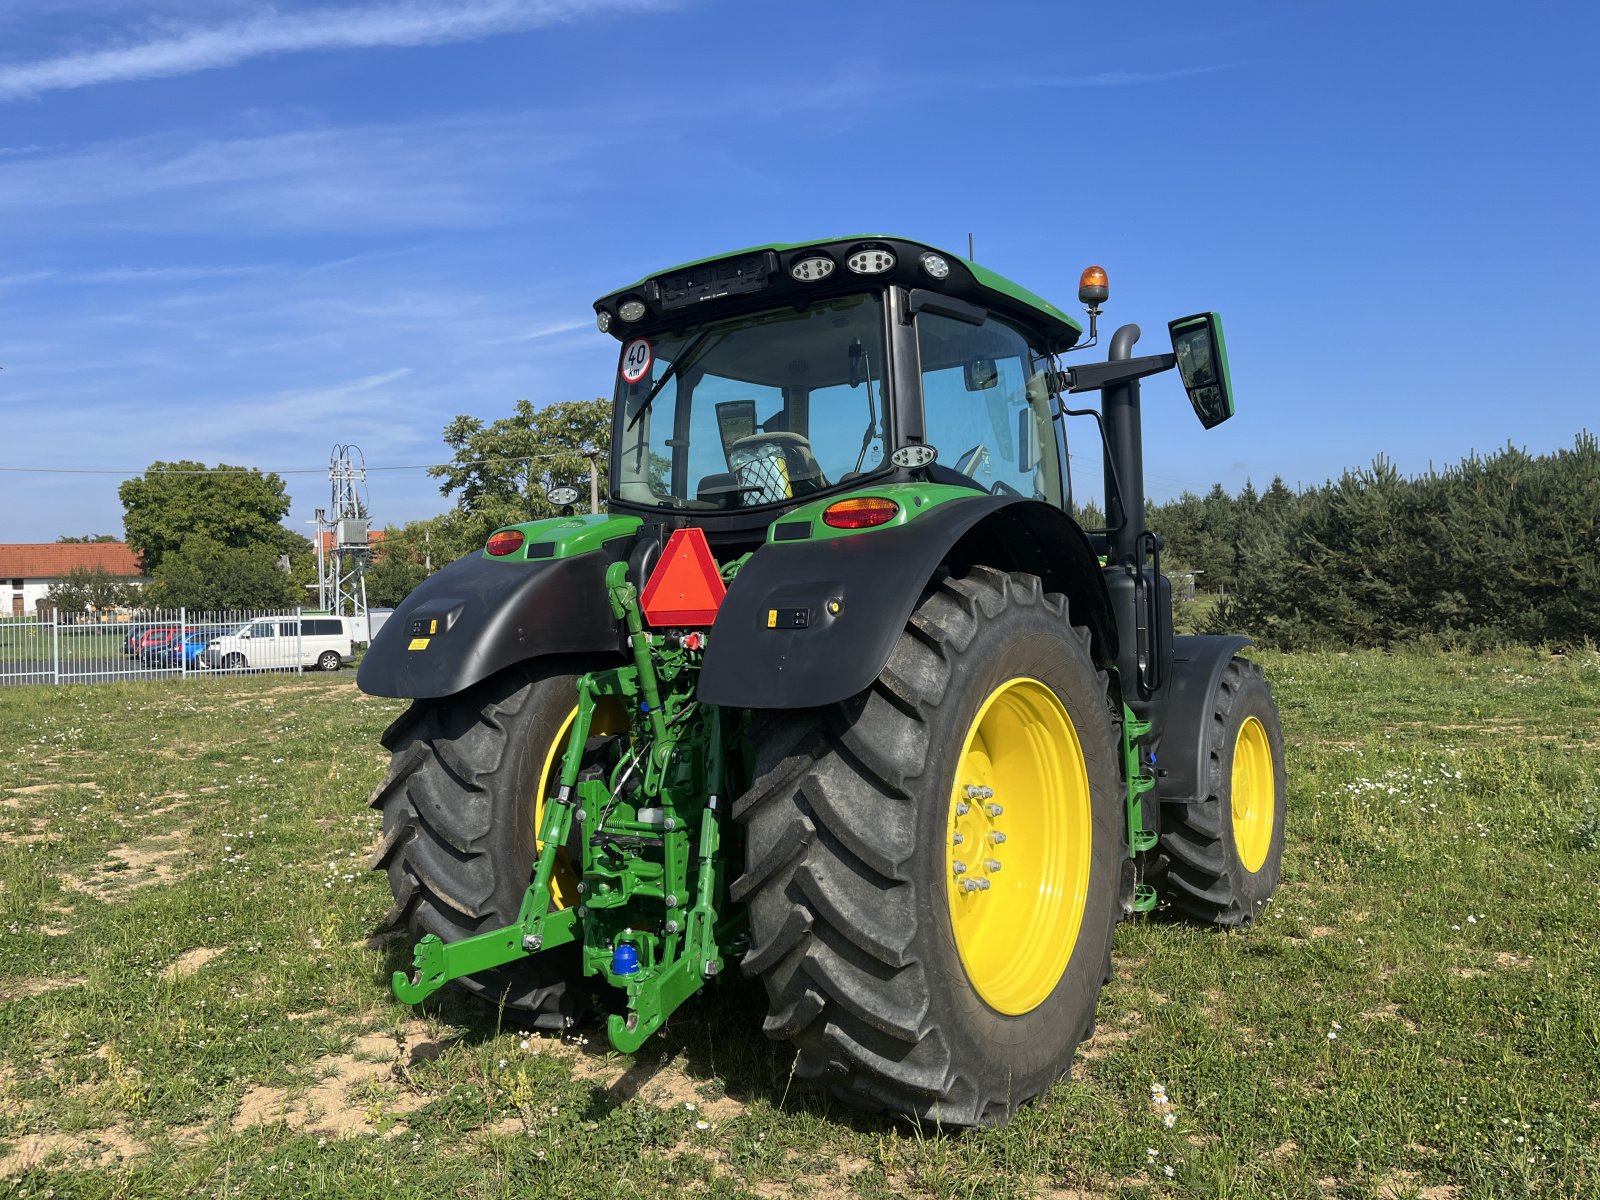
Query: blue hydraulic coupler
[[625, 960]]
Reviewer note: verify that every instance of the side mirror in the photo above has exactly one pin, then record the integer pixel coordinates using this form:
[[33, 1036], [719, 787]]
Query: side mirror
[[1203, 363], [980, 374]]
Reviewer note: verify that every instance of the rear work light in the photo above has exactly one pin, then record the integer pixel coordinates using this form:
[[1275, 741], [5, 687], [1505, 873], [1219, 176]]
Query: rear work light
[[506, 541], [860, 512], [870, 260]]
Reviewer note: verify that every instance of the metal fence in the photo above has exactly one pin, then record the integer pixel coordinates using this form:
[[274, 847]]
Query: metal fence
[[105, 648]]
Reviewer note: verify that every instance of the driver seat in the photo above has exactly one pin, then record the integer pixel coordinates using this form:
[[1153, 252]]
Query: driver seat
[[775, 467]]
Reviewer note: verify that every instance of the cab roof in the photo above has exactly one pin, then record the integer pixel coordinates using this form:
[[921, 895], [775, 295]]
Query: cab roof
[[739, 280]]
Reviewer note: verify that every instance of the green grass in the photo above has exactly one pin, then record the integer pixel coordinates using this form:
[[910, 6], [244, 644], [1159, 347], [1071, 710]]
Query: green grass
[[193, 1002]]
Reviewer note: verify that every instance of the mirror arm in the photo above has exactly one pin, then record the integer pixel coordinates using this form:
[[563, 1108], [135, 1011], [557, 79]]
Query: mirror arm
[[1092, 377]]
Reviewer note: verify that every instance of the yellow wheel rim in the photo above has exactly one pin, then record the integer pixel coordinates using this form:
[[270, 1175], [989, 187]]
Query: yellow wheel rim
[[1018, 846], [1253, 795], [608, 718]]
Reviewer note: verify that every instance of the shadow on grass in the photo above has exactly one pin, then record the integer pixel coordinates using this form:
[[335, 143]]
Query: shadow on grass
[[715, 1037]]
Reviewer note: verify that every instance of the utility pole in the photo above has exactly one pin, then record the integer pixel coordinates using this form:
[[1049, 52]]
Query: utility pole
[[594, 481]]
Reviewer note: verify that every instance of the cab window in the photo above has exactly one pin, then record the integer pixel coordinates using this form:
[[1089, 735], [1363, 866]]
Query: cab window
[[987, 407]]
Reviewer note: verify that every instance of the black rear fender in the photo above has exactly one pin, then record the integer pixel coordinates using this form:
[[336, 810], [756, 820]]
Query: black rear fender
[[777, 642], [480, 615]]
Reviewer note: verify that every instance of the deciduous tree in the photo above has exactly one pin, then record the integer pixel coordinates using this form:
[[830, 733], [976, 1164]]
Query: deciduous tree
[[231, 507]]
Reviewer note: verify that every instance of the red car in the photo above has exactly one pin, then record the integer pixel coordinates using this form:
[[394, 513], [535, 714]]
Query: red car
[[156, 637]]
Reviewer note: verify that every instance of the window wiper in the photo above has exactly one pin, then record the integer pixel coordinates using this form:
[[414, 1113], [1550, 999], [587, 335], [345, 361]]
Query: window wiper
[[688, 355]]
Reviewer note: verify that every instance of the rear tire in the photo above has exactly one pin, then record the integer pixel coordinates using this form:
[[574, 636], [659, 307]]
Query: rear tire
[[1223, 856], [856, 918], [329, 660], [233, 662], [459, 807]]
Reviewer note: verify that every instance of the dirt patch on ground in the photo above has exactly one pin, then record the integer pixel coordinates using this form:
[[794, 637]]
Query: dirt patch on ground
[[146, 863], [95, 1148], [34, 985], [1391, 1012], [1103, 1043], [189, 962], [1404, 1183], [327, 1107], [1468, 972], [1507, 961], [662, 1083]]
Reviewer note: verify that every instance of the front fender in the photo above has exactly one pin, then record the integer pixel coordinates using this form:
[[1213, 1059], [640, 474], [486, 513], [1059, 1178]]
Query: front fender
[[1198, 664], [480, 615], [778, 643]]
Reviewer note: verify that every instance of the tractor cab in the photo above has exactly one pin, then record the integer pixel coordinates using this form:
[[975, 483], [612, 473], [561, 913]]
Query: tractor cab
[[751, 383]]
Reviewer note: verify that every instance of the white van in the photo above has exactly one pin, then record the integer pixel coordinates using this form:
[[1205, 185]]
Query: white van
[[284, 643]]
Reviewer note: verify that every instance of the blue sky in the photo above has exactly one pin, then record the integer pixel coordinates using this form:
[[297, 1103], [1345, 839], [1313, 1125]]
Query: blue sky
[[245, 232]]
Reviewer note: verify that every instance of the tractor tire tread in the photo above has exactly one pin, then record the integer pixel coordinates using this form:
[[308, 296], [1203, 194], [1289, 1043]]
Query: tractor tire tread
[[1203, 878], [830, 827]]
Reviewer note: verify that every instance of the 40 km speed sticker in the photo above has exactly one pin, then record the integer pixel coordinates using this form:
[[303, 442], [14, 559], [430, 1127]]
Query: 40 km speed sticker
[[636, 360]]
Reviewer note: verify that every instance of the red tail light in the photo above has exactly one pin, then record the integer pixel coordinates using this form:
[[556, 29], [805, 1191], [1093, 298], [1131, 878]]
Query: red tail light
[[506, 541], [860, 512]]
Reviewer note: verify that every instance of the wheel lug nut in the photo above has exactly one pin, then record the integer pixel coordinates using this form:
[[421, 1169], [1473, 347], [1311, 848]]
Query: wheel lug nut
[[982, 884], [991, 864], [959, 838], [959, 867], [994, 809], [996, 837], [969, 885], [962, 808]]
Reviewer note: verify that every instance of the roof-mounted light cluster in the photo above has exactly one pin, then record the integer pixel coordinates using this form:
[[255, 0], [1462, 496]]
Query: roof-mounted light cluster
[[812, 268], [870, 260]]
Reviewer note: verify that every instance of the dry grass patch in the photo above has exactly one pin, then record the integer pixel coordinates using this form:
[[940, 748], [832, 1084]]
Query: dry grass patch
[[189, 962], [148, 862], [29, 986], [327, 1107]]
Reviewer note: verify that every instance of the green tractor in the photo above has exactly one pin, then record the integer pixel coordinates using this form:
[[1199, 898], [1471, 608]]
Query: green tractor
[[837, 691]]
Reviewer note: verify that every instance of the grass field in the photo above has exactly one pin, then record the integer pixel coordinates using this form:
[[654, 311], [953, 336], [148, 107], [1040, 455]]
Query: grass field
[[194, 1001]]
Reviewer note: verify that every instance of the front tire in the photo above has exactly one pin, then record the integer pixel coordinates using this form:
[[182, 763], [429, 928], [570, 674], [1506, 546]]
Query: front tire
[[329, 660], [1224, 855], [460, 809], [898, 988]]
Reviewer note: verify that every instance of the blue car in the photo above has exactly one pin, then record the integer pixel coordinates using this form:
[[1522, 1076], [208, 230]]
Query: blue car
[[193, 650]]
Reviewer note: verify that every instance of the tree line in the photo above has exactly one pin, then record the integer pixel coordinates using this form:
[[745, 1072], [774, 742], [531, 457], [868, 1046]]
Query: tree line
[[1501, 548]]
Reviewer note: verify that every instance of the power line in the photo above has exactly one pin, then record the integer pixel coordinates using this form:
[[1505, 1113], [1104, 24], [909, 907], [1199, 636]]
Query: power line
[[480, 462]]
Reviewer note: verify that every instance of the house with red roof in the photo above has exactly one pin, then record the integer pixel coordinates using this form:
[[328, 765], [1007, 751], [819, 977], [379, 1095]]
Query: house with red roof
[[29, 569]]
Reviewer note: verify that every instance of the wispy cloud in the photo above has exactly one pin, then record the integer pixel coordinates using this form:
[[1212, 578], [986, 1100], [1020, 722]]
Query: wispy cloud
[[447, 174], [1102, 79], [187, 50]]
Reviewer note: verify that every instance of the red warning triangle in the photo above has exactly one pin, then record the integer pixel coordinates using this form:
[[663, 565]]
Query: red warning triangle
[[686, 587]]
